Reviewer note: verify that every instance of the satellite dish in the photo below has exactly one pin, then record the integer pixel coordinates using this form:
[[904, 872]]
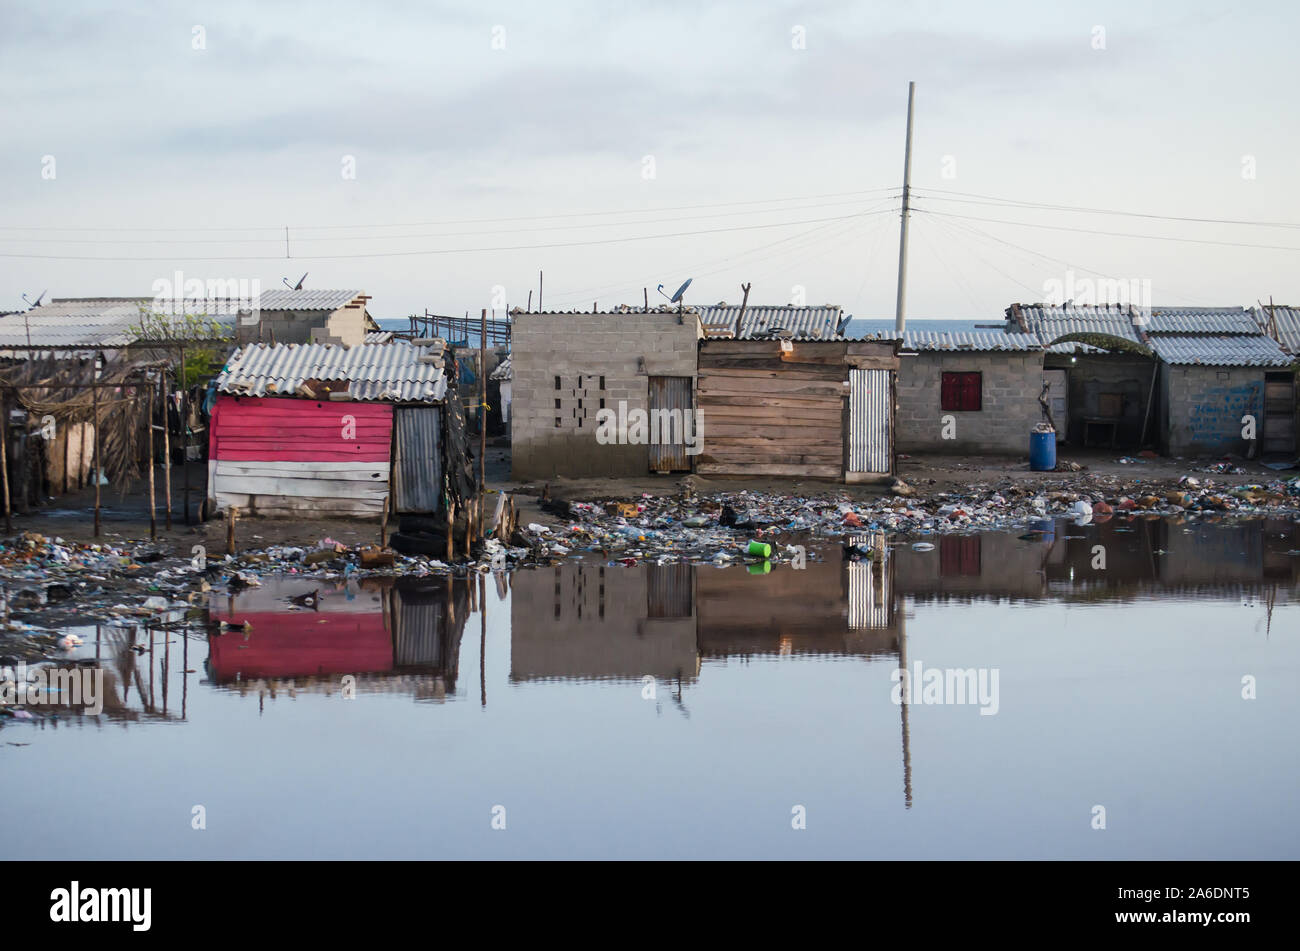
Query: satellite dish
[[677, 298], [37, 302], [294, 287]]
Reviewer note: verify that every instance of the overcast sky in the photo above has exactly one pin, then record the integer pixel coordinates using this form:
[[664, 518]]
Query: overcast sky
[[589, 124]]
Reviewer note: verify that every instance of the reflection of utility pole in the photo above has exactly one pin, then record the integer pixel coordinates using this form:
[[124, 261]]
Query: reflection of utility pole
[[482, 640], [677, 697], [905, 696]]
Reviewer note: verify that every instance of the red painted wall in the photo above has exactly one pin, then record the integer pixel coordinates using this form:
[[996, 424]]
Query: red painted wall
[[253, 429]]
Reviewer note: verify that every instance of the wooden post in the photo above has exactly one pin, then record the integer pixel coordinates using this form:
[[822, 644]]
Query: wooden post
[[185, 436], [94, 469], [4, 465], [383, 522], [67, 438], [167, 451], [153, 507], [451, 525], [81, 457], [232, 514]]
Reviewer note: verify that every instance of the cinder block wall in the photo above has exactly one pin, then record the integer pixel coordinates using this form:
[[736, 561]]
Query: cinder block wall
[[1204, 407], [1091, 375], [1011, 382], [579, 349]]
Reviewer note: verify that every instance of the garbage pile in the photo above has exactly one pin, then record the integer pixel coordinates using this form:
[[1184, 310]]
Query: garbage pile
[[47, 583], [718, 528]]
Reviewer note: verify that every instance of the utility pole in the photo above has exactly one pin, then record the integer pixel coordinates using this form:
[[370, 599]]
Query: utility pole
[[900, 320]]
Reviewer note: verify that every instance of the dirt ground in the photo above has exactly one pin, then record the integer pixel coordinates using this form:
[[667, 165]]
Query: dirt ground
[[125, 520]]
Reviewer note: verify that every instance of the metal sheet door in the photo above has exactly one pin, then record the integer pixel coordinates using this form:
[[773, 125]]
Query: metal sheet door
[[417, 475], [871, 421], [671, 407]]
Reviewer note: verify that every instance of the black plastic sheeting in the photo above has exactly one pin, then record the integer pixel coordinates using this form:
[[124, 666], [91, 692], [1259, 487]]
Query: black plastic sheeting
[[462, 472]]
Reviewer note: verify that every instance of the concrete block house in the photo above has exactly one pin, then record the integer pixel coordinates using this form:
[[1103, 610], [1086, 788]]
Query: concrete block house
[[968, 392]]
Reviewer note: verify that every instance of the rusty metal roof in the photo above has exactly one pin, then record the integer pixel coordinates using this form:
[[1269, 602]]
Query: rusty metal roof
[[825, 322], [381, 372]]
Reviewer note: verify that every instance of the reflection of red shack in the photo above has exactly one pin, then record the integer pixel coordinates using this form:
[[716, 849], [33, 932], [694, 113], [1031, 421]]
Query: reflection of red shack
[[343, 636], [380, 626]]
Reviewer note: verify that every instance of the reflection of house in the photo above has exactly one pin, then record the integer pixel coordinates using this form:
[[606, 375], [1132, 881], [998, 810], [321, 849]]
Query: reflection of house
[[1115, 559], [796, 611], [587, 622], [405, 628]]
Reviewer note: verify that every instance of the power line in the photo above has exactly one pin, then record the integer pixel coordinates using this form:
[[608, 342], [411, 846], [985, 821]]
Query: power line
[[279, 229], [1114, 234], [433, 251], [446, 234], [971, 199]]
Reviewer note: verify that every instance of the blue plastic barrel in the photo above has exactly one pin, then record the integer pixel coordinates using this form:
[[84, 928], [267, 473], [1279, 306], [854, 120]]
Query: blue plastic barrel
[[1042, 452]]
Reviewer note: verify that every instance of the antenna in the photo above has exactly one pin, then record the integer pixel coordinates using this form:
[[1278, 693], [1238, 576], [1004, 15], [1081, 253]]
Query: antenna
[[294, 287], [37, 302]]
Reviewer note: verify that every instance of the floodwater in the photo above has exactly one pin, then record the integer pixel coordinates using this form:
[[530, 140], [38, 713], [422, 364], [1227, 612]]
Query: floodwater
[[1158, 684]]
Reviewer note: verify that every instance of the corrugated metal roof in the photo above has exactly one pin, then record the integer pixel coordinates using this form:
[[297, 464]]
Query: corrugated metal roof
[[1074, 346], [803, 323], [1198, 320], [95, 321], [503, 370], [1288, 325], [379, 336], [975, 341], [1235, 351], [287, 299], [387, 372], [1050, 322]]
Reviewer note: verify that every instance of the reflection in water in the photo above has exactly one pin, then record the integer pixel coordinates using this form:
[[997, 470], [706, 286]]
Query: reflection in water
[[796, 654], [390, 635]]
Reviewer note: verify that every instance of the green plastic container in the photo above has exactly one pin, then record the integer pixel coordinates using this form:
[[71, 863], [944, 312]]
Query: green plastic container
[[761, 549]]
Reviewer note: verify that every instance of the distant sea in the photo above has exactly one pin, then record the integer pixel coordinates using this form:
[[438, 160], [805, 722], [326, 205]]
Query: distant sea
[[857, 328]]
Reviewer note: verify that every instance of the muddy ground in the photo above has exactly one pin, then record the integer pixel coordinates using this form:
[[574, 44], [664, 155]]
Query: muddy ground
[[125, 519]]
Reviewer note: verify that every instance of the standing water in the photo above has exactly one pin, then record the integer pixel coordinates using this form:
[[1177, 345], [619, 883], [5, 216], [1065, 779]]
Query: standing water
[[1100, 691]]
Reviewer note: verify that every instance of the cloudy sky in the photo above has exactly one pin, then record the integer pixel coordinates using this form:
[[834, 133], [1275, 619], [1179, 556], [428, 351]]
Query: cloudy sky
[[432, 152]]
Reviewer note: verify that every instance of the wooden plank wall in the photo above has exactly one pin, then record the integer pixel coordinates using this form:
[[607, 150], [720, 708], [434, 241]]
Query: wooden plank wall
[[768, 416], [293, 457]]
